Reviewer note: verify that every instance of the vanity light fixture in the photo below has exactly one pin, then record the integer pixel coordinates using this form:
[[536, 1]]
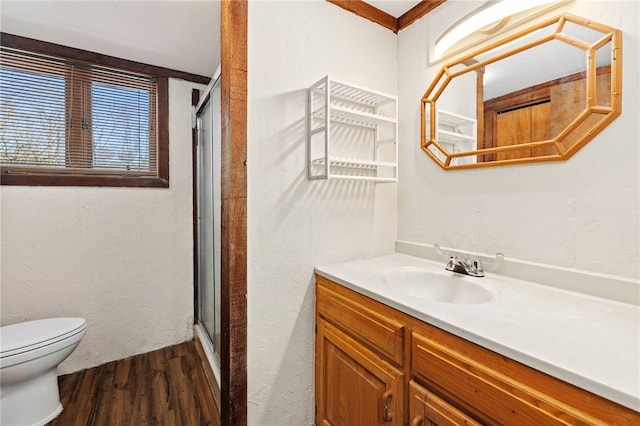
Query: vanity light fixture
[[489, 19]]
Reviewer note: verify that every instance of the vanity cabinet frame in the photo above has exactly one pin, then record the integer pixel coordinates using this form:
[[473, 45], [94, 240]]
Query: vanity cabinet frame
[[336, 112], [449, 379]]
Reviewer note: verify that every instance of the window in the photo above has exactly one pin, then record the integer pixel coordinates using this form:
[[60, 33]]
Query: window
[[65, 121]]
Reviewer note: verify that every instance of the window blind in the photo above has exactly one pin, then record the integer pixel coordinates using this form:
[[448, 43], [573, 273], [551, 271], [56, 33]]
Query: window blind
[[71, 117]]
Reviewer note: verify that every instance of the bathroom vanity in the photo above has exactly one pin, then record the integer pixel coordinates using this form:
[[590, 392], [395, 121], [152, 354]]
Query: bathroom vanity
[[505, 352]]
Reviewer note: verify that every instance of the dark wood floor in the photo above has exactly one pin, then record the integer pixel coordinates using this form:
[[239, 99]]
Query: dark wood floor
[[165, 387]]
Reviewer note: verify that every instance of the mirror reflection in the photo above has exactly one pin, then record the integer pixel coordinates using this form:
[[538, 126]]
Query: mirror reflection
[[538, 95]]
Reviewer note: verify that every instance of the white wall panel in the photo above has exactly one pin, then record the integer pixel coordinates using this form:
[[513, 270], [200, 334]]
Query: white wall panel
[[295, 224], [583, 213]]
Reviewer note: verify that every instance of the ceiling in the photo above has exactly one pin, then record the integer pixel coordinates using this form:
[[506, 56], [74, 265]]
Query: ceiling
[[180, 34], [394, 8]]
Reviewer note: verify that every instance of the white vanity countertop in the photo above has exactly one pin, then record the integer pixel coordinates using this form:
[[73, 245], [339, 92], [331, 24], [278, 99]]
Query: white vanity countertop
[[590, 342]]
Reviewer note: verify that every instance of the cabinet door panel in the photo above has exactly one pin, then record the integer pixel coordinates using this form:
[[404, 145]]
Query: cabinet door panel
[[354, 386], [372, 327]]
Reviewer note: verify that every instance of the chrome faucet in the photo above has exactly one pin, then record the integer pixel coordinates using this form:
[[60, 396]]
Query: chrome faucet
[[471, 267]]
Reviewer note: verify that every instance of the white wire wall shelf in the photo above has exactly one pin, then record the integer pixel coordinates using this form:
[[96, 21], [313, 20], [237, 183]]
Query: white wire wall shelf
[[352, 133]]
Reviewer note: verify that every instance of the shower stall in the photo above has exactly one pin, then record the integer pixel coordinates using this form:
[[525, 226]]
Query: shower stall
[[208, 164]]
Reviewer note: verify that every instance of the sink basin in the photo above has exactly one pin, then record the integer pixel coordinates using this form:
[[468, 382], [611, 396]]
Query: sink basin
[[442, 287]]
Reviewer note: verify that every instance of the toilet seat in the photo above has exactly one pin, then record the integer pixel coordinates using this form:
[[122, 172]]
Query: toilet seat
[[30, 354], [28, 336]]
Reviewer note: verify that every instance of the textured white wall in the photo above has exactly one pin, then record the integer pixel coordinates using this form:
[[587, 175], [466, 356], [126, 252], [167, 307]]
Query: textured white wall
[[295, 224], [120, 257], [583, 213]]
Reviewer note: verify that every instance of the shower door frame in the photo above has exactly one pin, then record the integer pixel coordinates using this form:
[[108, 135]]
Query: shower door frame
[[208, 149]]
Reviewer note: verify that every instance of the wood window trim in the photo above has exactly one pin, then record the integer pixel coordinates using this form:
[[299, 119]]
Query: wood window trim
[[44, 47], [367, 11], [46, 178]]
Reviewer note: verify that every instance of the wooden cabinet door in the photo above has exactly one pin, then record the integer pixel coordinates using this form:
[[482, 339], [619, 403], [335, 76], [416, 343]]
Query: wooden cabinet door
[[368, 322], [427, 409], [354, 386]]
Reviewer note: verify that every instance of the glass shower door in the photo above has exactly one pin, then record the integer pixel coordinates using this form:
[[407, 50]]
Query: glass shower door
[[208, 121]]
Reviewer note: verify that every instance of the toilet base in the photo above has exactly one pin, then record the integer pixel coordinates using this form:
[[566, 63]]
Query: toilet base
[[34, 402]]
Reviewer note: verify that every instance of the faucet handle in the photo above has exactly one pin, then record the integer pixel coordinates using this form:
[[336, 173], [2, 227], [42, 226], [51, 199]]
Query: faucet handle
[[451, 264], [476, 266]]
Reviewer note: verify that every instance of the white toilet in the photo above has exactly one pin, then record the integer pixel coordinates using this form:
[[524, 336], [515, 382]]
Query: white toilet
[[30, 353]]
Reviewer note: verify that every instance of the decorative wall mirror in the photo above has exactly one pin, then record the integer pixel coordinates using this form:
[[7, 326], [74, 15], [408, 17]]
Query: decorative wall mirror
[[537, 95]]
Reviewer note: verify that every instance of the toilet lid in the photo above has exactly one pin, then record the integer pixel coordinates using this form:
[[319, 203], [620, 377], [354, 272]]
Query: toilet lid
[[23, 336]]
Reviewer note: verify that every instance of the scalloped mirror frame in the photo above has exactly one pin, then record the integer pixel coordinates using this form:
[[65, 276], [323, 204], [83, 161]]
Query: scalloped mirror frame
[[428, 107]]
